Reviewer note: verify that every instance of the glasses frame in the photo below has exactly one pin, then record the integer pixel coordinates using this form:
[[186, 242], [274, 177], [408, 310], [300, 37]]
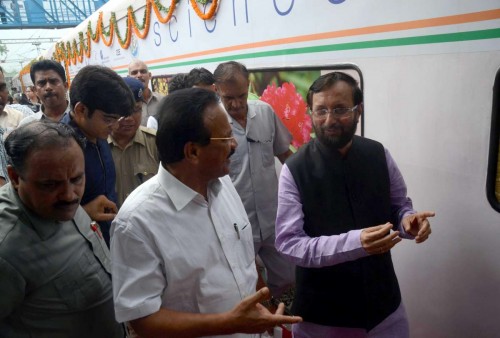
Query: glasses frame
[[226, 139], [347, 112]]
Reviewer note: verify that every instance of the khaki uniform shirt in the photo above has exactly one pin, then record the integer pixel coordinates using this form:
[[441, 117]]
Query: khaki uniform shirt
[[135, 164], [150, 108]]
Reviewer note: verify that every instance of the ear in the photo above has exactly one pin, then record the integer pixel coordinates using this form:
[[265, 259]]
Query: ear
[[191, 151], [80, 112], [13, 176], [360, 110]]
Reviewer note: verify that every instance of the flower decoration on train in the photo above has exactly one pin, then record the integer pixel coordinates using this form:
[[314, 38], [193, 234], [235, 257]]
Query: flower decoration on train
[[72, 52], [291, 109]]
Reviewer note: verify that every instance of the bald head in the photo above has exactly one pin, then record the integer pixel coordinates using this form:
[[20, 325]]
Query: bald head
[[139, 70]]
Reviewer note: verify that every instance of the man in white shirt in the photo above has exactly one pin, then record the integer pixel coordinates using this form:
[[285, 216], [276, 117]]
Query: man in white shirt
[[51, 87], [9, 117], [182, 248]]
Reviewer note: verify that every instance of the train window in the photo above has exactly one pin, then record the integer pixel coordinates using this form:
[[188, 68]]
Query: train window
[[493, 178], [285, 89]]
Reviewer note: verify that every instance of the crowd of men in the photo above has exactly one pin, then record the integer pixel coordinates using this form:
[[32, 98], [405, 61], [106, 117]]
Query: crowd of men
[[126, 213]]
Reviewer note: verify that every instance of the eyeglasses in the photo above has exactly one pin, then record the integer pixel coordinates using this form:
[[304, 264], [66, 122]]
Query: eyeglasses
[[224, 139], [338, 113], [111, 120]]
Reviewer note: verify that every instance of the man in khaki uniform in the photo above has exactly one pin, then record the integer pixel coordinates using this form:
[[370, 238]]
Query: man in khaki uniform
[[150, 100], [133, 148]]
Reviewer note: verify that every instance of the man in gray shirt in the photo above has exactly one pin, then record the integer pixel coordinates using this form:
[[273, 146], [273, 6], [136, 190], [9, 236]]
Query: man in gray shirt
[[261, 136], [54, 263]]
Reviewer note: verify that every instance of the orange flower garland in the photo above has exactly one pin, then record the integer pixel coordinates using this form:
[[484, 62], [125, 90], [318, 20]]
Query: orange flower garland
[[158, 14], [209, 14], [98, 26], [128, 31], [146, 21], [110, 34], [73, 52]]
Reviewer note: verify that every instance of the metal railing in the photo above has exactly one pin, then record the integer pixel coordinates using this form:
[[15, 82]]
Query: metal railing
[[15, 14]]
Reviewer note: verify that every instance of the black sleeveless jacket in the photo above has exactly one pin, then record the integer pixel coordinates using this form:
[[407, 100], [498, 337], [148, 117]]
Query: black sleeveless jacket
[[341, 194]]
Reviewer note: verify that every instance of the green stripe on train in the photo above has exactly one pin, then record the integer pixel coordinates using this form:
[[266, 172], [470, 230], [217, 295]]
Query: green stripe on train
[[408, 41]]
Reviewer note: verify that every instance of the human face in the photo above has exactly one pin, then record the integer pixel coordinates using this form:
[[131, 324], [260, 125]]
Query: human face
[[50, 88], [335, 132], [4, 93], [30, 94], [233, 95], [214, 157], [53, 181], [127, 127], [97, 126], [140, 71]]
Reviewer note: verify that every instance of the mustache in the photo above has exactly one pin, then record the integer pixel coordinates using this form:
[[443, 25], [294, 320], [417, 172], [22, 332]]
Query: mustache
[[231, 153], [66, 203], [336, 126], [49, 95]]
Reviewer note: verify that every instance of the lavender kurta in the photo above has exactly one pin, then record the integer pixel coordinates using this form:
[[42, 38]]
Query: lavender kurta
[[302, 250]]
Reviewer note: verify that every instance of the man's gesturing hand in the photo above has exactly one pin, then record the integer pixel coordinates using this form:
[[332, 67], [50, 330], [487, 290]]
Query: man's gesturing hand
[[379, 239], [249, 316]]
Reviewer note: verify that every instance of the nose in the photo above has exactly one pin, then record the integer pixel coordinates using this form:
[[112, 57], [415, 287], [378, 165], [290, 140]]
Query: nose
[[67, 192], [234, 143], [331, 119], [47, 86], [235, 104]]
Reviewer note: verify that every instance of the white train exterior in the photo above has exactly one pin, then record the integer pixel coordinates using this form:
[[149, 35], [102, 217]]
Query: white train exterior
[[430, 72]]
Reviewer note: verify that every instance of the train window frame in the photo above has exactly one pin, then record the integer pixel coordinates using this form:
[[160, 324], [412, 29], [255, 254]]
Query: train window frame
[[494, 149], [323, 69]]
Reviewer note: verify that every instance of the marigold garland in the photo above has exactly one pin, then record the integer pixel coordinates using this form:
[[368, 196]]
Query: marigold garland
[[124, 43], [208, 15], [72, 52], [158, 7], [109, 33], [145, 21]]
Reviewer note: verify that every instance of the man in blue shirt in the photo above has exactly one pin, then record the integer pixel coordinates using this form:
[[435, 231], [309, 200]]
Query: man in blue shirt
[[99, 98]]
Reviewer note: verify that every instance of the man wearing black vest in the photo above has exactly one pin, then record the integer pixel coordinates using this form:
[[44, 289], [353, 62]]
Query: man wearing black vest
[[339, 197]]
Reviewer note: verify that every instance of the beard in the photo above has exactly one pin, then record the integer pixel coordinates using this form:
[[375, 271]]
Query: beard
[[336, 142]]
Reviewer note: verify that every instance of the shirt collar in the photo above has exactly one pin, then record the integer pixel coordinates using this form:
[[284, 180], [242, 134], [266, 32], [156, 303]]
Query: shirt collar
[[179, 193], [154, 97], [138, 138], [43, 227], [251, 113], [66, 112]]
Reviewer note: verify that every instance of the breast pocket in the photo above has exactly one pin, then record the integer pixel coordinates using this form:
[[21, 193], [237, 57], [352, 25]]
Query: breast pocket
[[83, 284], [267, 153], [144, 171]]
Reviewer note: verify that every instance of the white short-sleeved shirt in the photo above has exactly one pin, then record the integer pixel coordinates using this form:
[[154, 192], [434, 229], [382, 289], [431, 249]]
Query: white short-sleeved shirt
[[252, 167], [10, 118], [171, 248]]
